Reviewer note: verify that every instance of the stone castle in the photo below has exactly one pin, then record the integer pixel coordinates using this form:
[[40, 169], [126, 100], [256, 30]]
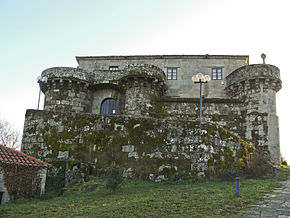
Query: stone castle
[[142, 112]]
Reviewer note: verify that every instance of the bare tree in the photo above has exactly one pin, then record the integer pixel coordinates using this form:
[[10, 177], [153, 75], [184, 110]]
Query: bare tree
[[8, 135]]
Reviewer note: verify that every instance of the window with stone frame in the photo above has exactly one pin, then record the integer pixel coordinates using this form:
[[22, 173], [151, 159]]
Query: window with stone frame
[[217, 73], [113, 68], [172, 73]]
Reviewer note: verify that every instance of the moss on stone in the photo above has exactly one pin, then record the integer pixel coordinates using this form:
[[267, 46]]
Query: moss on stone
[[95, 140]]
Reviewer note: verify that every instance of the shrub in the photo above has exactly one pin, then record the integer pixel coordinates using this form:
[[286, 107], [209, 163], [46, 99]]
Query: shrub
[[229, 174], [114, 177], [259, 164], [283, 162]]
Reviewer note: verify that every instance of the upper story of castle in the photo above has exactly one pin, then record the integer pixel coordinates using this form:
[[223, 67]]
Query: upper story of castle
[[133, 82], [162, 86], [178, 70]]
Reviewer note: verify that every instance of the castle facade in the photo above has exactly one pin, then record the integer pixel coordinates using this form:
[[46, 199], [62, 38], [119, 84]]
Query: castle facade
[[143, 113]]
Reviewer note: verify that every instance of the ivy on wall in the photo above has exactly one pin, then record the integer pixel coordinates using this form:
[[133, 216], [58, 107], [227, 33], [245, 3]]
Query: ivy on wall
[[21, 181], [79, 145]]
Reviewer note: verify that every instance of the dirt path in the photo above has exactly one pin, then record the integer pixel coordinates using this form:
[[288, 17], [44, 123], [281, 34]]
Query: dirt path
[[277, 204]]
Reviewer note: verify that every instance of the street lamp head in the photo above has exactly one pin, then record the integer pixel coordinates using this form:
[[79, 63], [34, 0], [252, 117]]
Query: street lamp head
[[44, 79], [38, 79], [41, 79], [206, 78], [201, 78], [195, 79]]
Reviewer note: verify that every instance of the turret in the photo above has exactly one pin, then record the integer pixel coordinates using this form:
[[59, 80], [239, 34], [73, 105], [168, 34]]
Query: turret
[[132, 89], [66, 90], [142, 84], [257, 86]]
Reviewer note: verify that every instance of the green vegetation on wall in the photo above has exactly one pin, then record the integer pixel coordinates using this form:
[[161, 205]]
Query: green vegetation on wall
[[149, 148]]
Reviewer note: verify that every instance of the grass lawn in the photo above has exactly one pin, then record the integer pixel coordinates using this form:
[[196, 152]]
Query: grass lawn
[[138, 198]]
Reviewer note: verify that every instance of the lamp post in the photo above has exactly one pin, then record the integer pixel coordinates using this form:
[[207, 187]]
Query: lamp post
[[200, 78], [40, 80]]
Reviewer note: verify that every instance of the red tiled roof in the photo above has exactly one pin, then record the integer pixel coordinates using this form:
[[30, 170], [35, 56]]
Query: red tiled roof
[[11, 156]]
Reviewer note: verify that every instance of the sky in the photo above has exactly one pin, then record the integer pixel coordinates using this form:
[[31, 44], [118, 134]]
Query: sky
[[39, 34]]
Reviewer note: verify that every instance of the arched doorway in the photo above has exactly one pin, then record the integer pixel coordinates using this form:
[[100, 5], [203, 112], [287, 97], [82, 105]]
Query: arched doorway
[[109, 106]]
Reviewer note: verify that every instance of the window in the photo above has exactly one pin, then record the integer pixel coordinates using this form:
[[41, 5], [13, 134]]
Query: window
[[217, 74], [171, 73], [113, 68], [109, 106]]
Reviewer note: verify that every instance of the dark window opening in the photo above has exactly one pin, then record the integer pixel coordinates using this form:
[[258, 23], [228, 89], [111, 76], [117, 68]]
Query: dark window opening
[[109, 106], [57, 82], [1, 197], [65, 83]]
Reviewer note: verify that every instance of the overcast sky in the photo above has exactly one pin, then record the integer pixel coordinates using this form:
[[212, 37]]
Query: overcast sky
[[38, 34]]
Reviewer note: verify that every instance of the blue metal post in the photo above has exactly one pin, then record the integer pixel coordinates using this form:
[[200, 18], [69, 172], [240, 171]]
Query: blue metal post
[[237, 184], [274, 171]]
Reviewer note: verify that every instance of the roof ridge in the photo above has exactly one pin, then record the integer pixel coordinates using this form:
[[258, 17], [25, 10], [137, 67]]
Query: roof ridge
[[161, 56], [19, 153]]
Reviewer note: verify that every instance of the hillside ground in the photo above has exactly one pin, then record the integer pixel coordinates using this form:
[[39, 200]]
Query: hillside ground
[[137, 198]]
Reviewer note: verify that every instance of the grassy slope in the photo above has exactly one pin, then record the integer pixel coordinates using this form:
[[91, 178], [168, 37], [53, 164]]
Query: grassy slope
[[139, 198]]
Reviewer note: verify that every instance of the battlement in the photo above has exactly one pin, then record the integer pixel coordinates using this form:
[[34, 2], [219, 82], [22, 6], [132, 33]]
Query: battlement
[[95, 77], [67, 72], [74, 89], [144, 70], [257, 77]]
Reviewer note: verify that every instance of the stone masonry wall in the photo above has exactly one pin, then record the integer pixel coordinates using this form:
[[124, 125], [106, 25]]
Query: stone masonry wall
[[140, 95], [74, 90], [67, 95], [224, 112], [151, 148], [256, 85]]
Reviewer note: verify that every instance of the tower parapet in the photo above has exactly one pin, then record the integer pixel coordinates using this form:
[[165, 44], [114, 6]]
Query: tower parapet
[[66, 89], [257, 86], [75, 90], [143, 83], [253, 77]]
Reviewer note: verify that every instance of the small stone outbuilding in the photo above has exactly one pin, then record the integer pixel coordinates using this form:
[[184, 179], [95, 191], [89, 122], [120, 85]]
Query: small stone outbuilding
[[21, 175]]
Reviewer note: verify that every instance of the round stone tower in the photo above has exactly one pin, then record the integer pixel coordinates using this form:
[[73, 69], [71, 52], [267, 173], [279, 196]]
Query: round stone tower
[[256, 85], [67, 90], [142, 84]]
